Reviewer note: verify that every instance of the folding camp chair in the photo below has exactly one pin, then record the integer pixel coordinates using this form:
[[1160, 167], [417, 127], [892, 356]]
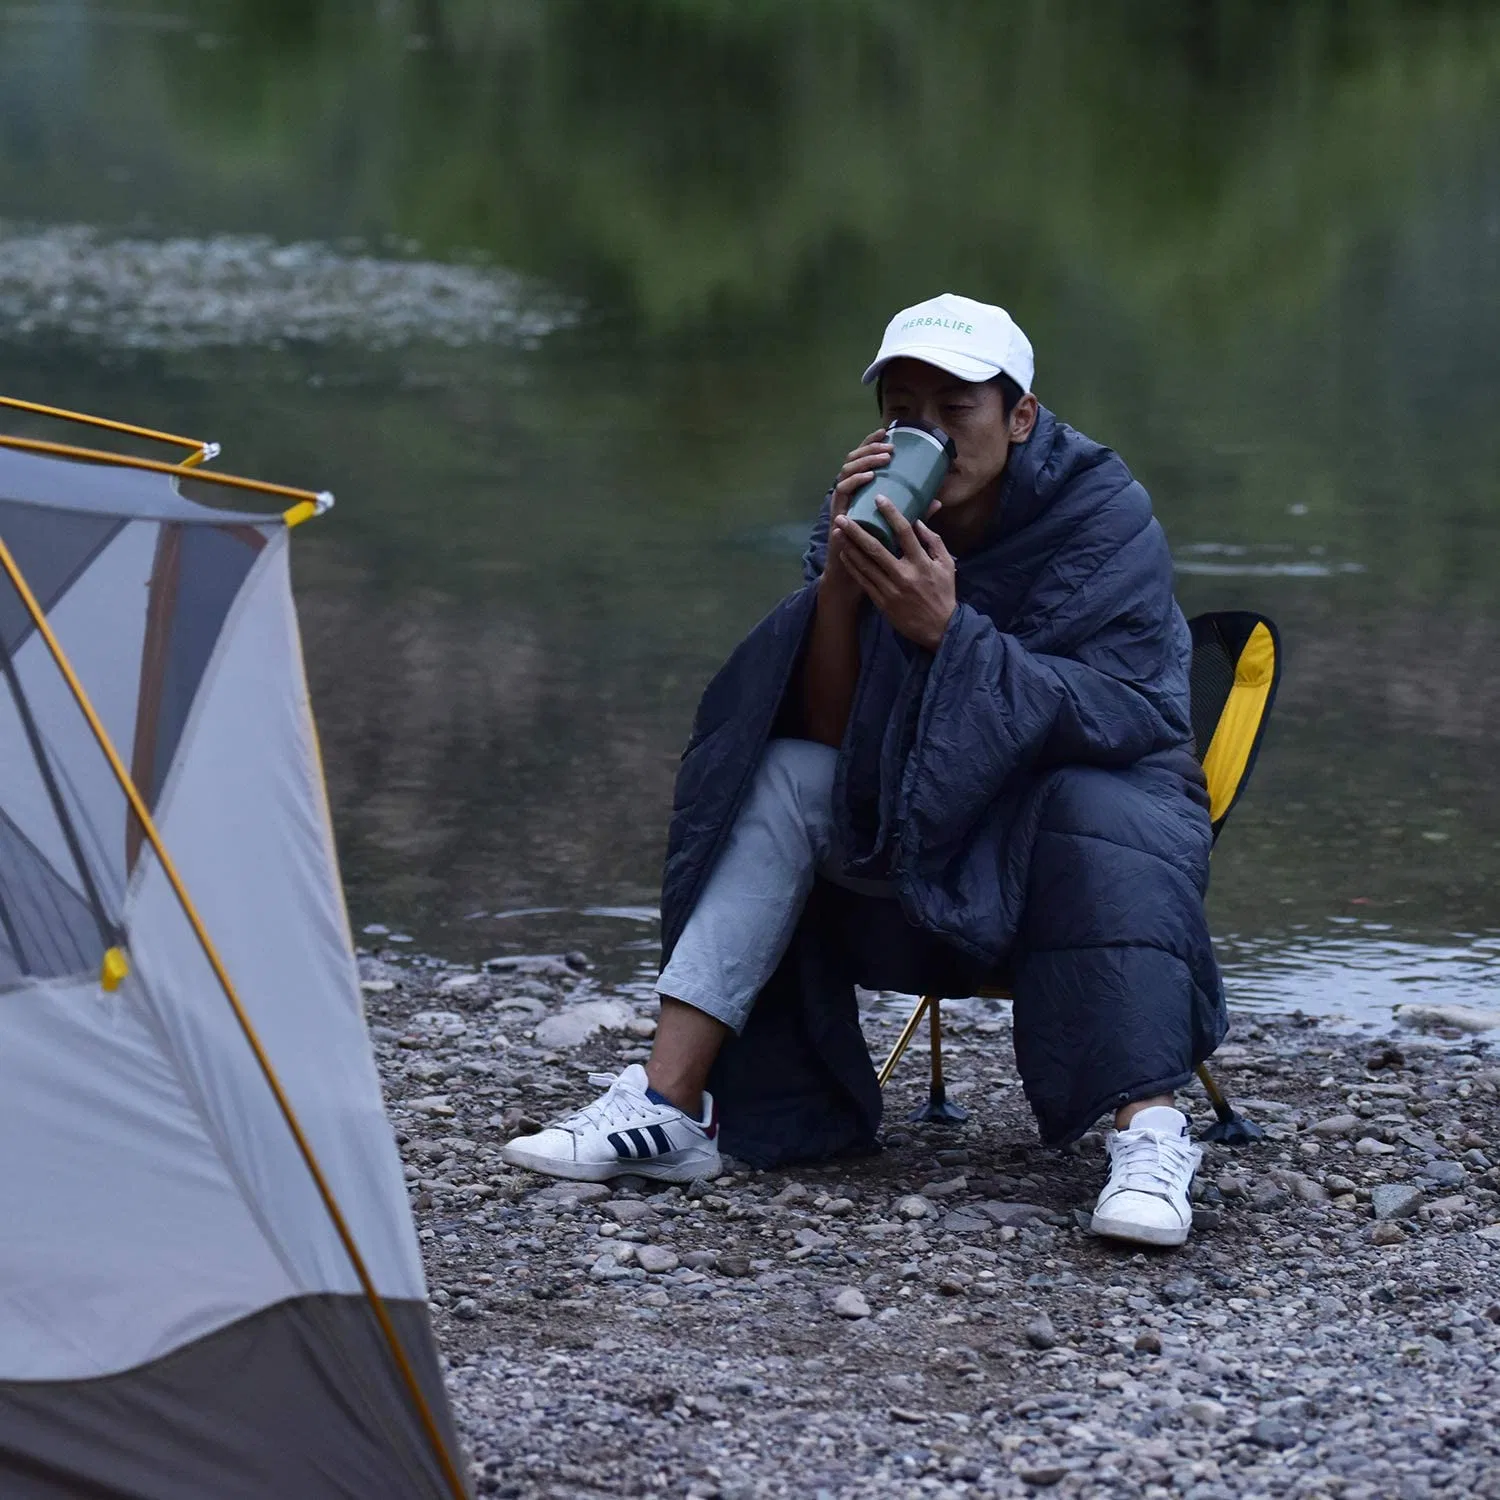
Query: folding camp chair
[[1236, 670]]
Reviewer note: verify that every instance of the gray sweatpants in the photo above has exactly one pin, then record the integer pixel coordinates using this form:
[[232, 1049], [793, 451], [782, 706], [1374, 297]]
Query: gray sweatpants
[[755, 893]]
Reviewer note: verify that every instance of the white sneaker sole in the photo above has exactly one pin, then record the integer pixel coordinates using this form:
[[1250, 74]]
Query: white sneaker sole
[[695, 1169], [1162, 1235]]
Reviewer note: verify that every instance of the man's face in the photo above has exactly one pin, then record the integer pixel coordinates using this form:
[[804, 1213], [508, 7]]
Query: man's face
[[972, 415]]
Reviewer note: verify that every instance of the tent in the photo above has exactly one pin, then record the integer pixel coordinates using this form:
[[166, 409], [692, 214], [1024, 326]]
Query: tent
[[210, 1284]]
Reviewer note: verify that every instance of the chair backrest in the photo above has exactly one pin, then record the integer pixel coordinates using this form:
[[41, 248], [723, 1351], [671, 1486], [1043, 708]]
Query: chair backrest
[[1235, 673]]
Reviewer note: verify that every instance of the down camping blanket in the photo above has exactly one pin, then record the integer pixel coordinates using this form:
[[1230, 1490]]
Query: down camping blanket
[[1029, 791]]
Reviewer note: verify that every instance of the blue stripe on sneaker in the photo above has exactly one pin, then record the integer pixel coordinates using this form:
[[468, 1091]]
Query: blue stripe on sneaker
[[663, 1143], [621, 1145], [641, 1148]]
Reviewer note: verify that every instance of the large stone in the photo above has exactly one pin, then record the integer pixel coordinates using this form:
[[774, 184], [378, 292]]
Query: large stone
[[1448, 1174], [810, 1239], [1395, 1200], [629, 1211], [575, 1025], [945, 1189], [1272, 1432], [965, 1221], [656, 1259], [570, 1192], [913, 1206], [519, 1007], [851, 1303], [1040, 1333], [1334, 1126], [1013, 1214], [442, 1022], [1457, 1017], [1307, 1189], [1042, 1476]]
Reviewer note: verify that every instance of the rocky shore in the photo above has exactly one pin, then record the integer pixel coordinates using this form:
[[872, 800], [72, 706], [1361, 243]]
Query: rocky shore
[[934, 1320]]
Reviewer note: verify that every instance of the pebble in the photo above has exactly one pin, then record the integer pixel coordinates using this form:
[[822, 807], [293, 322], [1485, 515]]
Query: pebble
[[1367, 1145], [851, 1303], [1042, 1475], [1148, 1342], [656, 1259], [1394, 1200], [1040, 1333], [1335, 1126], [1271, 1432], [913, 1206], [1387, 1233]]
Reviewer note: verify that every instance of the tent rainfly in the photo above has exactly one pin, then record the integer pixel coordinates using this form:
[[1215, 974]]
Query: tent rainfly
[[209, 1280]]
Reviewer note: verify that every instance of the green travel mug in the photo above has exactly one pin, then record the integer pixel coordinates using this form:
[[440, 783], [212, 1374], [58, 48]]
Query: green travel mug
[[920, 458]]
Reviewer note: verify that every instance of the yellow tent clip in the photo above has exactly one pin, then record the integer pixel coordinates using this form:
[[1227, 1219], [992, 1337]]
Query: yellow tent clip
[[113, 970], [305, 510]]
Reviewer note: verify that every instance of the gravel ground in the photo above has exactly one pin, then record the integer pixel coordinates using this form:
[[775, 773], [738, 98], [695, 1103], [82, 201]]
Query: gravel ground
[[932, 1320]]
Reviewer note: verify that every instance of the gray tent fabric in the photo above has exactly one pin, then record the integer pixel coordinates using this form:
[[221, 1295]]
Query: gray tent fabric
[[320, 1427], [105, 490], [178, 1316]]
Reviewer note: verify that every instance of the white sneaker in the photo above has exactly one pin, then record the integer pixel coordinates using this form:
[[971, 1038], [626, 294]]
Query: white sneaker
[[1151, 1168], [624, 1131]]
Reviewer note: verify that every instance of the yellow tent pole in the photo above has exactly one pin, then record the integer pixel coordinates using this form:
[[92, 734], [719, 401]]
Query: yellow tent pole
[[320, 500], [205, 450], [268, 1072]]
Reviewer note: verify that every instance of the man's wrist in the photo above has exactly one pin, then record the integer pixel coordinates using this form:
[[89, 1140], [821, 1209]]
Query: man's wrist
[[839, 588], [935, 642]]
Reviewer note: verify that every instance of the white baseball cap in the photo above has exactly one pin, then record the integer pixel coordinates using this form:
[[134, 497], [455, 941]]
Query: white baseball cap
[[973, 340]]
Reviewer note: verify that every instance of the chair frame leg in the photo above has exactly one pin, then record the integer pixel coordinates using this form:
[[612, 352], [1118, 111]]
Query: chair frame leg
[[1231, 1128], [903, 1041], [937, 1110]]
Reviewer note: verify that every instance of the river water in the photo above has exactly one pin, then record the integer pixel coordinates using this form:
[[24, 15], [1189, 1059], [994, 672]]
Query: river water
[[568, 303]]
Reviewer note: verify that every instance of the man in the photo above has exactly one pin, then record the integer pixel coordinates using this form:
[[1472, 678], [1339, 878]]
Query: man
[[967, 763]]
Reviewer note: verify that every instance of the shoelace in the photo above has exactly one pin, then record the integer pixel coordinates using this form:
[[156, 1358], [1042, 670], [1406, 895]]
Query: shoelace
[[613, 1109], [1150, 1161]]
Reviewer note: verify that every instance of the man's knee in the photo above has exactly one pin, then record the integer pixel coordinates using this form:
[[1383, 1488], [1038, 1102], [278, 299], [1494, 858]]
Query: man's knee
[[799, 774]]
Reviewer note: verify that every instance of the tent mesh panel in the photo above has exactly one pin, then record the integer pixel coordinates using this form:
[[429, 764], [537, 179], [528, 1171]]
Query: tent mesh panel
[[47, 929]]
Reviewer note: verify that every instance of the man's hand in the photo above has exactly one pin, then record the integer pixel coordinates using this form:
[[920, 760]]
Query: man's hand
[[916, 592], [860, 467]]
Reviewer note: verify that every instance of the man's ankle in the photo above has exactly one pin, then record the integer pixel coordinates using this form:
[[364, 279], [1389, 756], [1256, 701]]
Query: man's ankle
[[686, 1096], [1127, 1112]]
